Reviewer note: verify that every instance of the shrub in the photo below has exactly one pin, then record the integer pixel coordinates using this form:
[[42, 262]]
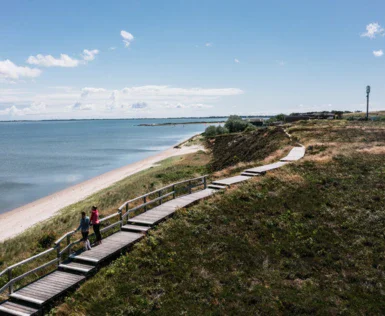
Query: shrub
[[220, 130], [211, 131], [277, 118], [250, 128], [235, 124]]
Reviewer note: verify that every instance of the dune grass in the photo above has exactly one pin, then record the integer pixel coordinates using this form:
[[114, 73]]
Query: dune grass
[[305, 239]]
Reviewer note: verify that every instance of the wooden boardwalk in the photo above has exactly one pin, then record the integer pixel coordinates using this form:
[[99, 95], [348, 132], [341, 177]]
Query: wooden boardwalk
[[30, 299], [265, 168], [109, 247], [230, 181], [161, 212], [295, 154], [48, 287]]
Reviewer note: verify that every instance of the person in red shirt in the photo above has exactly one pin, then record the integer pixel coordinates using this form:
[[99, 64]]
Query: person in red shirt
[[94, 221]]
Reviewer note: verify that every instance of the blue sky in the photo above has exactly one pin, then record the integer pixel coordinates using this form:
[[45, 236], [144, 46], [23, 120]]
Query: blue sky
[[188, 58]]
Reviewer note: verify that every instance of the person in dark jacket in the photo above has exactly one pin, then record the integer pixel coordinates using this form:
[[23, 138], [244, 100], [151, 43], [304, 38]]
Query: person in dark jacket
[[84, 226]]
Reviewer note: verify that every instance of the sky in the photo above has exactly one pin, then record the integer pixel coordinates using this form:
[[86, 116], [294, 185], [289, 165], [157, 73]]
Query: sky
[[141, 58]]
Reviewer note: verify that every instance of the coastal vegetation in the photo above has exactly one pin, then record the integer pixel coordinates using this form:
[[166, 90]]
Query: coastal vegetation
[[305, 239], [234, 124]]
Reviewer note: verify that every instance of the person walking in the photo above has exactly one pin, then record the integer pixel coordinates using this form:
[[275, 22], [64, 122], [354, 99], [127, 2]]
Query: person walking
[[85, 229], [95, 222]]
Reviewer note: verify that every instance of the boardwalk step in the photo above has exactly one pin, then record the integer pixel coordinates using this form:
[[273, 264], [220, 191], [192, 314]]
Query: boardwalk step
[[110, 246], [47, 288], [135, 228], [217, 187], [250, 174], [230, 181], [75, 266], [12, 308]]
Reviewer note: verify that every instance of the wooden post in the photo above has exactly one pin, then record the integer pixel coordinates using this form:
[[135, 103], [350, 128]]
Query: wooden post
[[10, 289], [68, 242], [126, 213], [145, 201], [121, 219], [205, 182], [58, 253], [189, 187], [174, 194], [160, 194]]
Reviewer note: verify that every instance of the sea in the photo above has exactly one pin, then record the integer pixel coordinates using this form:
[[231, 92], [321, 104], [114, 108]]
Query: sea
[[38, 158]]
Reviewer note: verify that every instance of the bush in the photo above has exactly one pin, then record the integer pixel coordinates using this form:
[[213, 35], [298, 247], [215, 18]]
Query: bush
[[235, 124], [277, 118], [250, 128], [220, 130], [211, 131]]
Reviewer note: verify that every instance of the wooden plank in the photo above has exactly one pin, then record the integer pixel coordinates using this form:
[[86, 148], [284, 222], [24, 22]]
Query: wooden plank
[[10, 308], [265, 168], [231, 180], [27, 299], [18, 307]]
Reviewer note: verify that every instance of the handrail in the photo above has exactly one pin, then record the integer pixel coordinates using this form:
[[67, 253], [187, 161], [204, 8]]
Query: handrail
[[109, 216], [69, 234], [161, 189], [64, 236], [147, 203], [31, 258]]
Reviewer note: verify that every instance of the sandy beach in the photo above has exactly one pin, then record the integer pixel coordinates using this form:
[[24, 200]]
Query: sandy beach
[[16, 221]]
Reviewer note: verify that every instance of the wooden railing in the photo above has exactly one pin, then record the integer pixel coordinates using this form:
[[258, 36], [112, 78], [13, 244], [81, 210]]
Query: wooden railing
[[157, 196], [173, 190]]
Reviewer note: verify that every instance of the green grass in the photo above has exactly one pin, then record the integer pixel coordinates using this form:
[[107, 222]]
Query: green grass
[[306, 239], [41, 236]]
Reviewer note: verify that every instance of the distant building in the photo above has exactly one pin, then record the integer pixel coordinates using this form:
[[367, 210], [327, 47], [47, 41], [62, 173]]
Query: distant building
[[313, 116]]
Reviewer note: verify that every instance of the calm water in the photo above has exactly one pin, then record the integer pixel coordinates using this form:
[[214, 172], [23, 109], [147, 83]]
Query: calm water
[[40, 158]]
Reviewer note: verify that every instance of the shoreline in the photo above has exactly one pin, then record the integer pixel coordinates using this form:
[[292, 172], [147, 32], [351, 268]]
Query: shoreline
[[20, 219]]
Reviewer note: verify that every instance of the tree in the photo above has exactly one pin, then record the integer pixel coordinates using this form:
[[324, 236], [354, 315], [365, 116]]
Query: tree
[[235, 124]]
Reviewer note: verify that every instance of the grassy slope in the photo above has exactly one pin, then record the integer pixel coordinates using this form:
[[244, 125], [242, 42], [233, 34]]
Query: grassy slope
[[41, 236], [231, 149], [306, 239]]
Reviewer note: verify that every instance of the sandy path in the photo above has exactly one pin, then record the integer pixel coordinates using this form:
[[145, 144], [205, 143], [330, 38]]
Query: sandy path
[[16, 221]]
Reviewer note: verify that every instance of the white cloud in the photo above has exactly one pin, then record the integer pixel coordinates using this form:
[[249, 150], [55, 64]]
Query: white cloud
[[34, 108], [63, 61], [372, 30], [170, 91], [127, 37], [50, 61], [209, 44], [8, 70], [112, 48], [378, 53], [168, 105], [82, 107], [139, 105], [89, 55], [237, 61], [98, 102], [88, 90]]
